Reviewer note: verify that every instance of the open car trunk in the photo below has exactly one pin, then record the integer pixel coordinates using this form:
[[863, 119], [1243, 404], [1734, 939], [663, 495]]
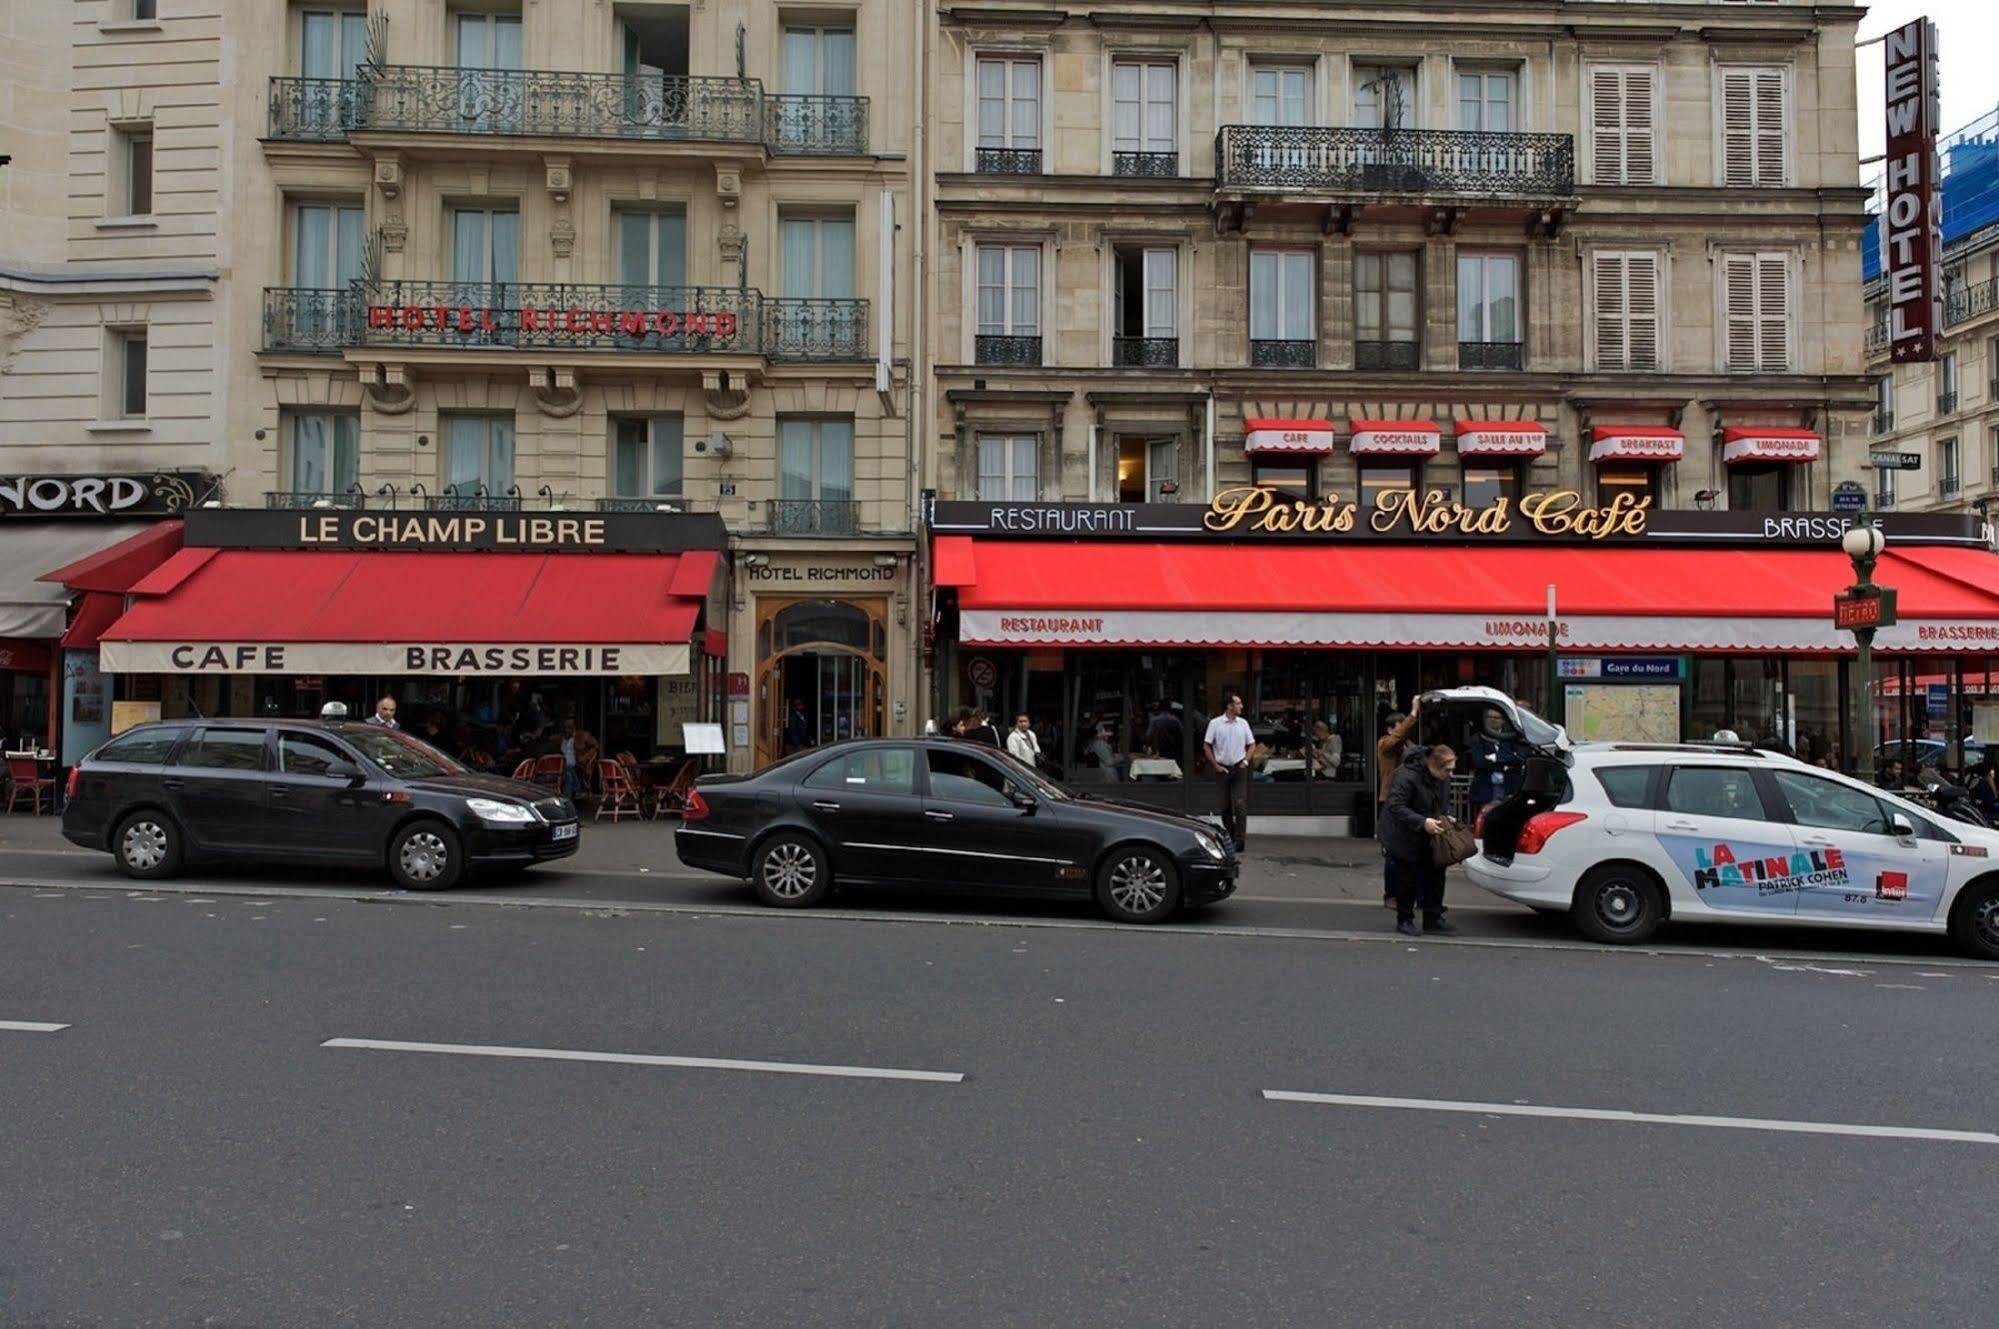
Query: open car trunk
[[1545, 779]]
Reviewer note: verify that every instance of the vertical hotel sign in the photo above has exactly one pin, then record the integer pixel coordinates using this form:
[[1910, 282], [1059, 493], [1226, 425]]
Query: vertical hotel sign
[[1911, 239]]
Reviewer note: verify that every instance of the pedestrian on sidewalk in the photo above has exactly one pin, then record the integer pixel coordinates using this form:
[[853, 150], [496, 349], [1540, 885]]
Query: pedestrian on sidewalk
[[1227, 748], [1388, 752], [1418, 810], [385, 714], [983, 730], [1022, 742]]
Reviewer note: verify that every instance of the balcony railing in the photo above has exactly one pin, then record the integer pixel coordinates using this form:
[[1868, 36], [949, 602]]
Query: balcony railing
[[1877, 335], [292, 499], [1145, 352], [306, 318], [1313, 159], [669, 320], [471, 500], [1159, 165], [1007, 161], [314, 109], [1946, 403], [1948, 485], [809, 125], [1282, 354], [816, 329], [672, 502], [1386, 355], [1971, 301], [814, 516], [1489, 355], [995, 350]]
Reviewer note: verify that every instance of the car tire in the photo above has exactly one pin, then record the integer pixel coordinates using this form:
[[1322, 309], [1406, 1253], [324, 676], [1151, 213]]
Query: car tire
[[426, 856], [147, 845], [791, 872], [1974, 921], [1138, 884], [1617, 903]]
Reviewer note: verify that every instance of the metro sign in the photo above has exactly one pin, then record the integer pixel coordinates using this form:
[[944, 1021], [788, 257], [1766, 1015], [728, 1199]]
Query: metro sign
[[1851, 611]]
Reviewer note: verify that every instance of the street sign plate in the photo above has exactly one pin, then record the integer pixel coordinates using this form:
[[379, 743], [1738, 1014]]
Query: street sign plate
[[1874, 610], [1895, 461], [1848, 498]]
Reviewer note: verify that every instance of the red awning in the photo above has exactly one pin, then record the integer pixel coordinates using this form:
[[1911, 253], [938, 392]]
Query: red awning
[[116, 568], [1311, 437], [1396, 438], [92, 613], [1609, 597], [1761, 444], [24, 657], [221, 610], [1636, 443], [1501, 438]]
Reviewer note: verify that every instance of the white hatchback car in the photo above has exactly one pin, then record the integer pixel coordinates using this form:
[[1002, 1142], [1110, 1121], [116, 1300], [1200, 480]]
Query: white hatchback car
[[1623, 836]]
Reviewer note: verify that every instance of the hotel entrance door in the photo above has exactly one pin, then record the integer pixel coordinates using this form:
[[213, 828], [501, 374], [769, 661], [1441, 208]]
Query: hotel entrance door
[[821, 673]]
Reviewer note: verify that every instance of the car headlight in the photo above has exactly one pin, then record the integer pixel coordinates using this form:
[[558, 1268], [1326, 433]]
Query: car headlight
[[505, 814], [1212, 845]]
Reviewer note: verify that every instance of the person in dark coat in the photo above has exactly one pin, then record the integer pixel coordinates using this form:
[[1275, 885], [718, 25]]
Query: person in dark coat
[[1498, 760], [797, 727], [981, 730], [1418, 807]]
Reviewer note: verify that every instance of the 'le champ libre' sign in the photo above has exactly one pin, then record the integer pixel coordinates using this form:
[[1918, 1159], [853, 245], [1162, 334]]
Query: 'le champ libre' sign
[[440, 532]]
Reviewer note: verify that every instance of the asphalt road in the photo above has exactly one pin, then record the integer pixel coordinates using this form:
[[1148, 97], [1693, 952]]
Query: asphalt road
[[187, 1150]]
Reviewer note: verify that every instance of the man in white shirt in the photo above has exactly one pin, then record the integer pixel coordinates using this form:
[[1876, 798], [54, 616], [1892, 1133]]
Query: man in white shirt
[[385, 714], [1227, 747], [1022, 742]]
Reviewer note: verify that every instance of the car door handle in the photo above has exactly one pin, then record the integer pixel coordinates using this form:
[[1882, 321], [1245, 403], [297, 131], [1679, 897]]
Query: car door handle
[[825, 805], [276, 790], [173, 785], [934, 815], [1818, 841], [1681, 826]]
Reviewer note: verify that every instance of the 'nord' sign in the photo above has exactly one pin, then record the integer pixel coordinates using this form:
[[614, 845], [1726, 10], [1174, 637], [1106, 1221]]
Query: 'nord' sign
[[1911, 239]]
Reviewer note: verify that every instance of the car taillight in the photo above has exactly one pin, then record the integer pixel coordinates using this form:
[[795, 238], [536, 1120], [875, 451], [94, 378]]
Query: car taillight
[[69, 785], [1478, 825], [1541, 826], [697, 807]]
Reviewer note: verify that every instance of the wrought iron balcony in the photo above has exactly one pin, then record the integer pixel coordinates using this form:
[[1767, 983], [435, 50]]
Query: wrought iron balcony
[[814, 516], [1007, 161], [816, 329], [1948, 485], [1304, 159], [471, 500], [314, 109], [1006, 350], [1877, 335], [671, 502], [1157, 164], [289, 500], [1971, 301], [814, 125], [666, 320], [1386, 355], [1283, 354], [308, 318], [445, 99], [1946, 403], [1145, 352], [1489, 355]]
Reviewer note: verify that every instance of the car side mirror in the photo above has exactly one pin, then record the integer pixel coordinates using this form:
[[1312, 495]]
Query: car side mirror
[[1901, 826], [346, 770], [1023, 800]]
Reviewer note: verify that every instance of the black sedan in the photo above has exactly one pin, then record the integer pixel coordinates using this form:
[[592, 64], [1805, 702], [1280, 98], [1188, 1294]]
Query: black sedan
[[944, 813], [300, 793]]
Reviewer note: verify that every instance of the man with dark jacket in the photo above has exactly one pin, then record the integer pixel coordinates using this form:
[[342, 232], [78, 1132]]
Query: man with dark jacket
[[1388, 750], [1418, 807]]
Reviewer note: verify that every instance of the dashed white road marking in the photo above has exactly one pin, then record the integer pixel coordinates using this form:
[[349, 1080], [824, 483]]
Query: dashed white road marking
[[648, 1059], [1650, 1118], [31, 1027]]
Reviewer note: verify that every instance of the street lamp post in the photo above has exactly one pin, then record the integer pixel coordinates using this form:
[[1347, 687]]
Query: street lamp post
[[1863, 543]]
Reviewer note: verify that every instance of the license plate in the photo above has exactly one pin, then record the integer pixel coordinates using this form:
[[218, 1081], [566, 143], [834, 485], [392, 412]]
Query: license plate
[[564, 832]]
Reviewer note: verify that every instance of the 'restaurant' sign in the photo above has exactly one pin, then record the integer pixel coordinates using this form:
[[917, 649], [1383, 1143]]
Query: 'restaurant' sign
[[149, 494], [510, 532], [448, 659], [1911, 225]]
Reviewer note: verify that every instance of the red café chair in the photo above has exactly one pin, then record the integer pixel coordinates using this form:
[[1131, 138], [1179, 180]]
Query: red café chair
[[672, 795], [525, 771], [621, 793], [548, 771], [25, 777]]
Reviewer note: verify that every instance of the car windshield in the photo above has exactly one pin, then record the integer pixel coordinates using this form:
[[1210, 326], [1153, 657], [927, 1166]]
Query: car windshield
[[400, 755], [1032, 778]]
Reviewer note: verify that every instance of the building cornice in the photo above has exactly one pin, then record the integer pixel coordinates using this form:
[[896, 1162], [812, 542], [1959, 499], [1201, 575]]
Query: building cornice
[[95, 282]]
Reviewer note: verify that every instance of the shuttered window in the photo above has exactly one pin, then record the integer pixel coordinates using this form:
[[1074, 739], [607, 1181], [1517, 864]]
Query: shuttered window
[[1621, 125], [1752, 127], [1756, 290], [1626, 324]]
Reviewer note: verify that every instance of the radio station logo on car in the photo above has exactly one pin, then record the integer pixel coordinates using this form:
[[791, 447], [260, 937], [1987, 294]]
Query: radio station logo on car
[[1771, 874], [1891, 886]]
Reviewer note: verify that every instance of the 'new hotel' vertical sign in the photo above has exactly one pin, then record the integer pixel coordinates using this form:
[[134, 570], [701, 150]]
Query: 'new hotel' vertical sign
[[1911, 240]]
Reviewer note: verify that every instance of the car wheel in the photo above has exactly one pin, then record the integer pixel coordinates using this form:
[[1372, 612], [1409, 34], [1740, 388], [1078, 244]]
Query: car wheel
[[791, 872], [1138, 885], [426, 856], [1617, 903], [147, 846], [1974, 922]]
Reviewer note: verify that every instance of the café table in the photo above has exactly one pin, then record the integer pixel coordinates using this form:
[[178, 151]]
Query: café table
[[1154, 768]]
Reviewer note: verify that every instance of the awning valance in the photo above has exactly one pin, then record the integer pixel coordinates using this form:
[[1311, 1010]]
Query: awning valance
[[33, 602], [245, 611], [1636, 443], [1396, 438], [1756, 444], [1501, 438], [1311, 437]]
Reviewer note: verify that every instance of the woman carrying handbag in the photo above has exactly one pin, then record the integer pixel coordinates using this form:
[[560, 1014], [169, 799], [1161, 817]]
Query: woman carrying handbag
[[1414, 826]]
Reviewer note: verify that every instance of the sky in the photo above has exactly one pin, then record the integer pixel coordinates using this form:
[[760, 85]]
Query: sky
[[1968, 39]]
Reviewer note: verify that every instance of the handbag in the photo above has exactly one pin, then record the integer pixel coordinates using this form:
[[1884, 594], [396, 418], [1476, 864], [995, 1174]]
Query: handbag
[[1453, 844]]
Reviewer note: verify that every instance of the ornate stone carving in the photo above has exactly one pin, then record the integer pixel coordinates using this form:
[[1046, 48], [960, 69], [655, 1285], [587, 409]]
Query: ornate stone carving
[[395, 233], [555, 174], [388, 389], [19, 316], [727, 394], [555, 391], [389, 175], [562, 237], [729, 239]]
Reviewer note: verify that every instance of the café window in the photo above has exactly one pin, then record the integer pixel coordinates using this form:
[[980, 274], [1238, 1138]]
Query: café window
[[1145, 469], [1759, 488], [1640, 482], [1486, 483], [1381, 478], [1291, 477], [646, 457]]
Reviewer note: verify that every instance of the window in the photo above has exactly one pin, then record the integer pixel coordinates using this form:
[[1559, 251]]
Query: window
[[1145, 308], [127, 373], [1754, 488], [489, 41], [1947, 383], [1009, 115], [817, 258], [1383, 96], [1144, 466], [478, 455], [815, 475], [1009, 305], [1282, 308], [1488, 311], [144, 10], [1620, 125], [485, 251], [646, 457], [652, 247], [1009, 467], [819, 61], [140, 747], [327, 241], [1627, 310], [1144, 106], [1385, 311], [225, 750], [959, 777], [1162, 470], [1829, 805], [1752, 127], [1627, 786], [1488, 483], [1291, 478], [333, 43], [1713, 791], [1380, 478], [307, 754], [489, 103], [325, 452], [868, 771], [1948, 478], [1485, 102], [1280, 95], [1640, 482], [1756, 296], [132, 154]]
